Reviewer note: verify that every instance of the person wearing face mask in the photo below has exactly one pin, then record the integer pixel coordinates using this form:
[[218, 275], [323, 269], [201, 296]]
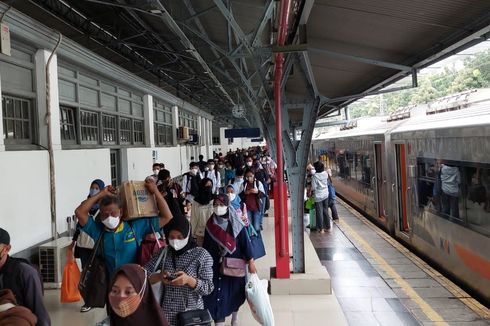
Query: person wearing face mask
[[212, 173], [222, 174], [120, 238], [190, 182], [131, 299], [156, 167], [249, 162], [202, 209], [226, 237], [252, 193], [81, 241], [23, 280], [229, 173], [237, 205], [171, 191], [237, 182], [185, 270]]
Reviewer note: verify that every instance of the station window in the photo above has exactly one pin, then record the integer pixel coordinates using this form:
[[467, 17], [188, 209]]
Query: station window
[[125, 130], [162, 115], [188, 120], [17, 120], [109, 129], [98, 112], [139, 131], [89, 125], [68, 125]]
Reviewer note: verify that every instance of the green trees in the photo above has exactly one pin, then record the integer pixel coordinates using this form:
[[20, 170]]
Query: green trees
[[474, 74]]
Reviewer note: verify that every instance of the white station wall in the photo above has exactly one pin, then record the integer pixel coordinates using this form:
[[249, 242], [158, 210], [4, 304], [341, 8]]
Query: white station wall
[[25, 201], [75, 171]]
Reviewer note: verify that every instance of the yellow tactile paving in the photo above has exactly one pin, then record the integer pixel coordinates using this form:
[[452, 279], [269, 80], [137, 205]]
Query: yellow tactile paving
[[455, 290]]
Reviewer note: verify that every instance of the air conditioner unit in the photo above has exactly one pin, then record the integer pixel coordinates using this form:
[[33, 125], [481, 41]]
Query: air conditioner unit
[[183, 133], [52, 259]]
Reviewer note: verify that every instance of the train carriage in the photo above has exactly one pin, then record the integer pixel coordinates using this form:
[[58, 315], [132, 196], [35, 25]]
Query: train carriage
[[423, 174]]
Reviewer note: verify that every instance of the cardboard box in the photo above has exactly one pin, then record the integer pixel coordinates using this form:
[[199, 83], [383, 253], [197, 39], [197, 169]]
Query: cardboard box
[[137, 201]]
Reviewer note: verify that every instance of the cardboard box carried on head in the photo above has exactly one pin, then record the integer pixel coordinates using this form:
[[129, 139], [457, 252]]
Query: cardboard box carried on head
[[137, 201]]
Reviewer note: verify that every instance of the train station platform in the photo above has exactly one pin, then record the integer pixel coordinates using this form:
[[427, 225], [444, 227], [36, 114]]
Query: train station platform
[[295, 305], [380, 282], [374, 279]]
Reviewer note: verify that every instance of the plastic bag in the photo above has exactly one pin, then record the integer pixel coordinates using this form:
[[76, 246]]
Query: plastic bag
[[258, 300], [69, 284]]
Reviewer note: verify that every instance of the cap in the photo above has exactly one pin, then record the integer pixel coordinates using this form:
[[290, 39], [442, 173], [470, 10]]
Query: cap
[[4, 237]]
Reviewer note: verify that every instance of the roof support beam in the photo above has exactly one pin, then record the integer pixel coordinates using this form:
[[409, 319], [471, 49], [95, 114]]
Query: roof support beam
[[304, 47], [174, 27], [263, 21]]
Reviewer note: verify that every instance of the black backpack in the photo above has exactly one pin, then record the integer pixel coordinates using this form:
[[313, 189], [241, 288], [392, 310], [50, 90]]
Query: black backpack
[[194, 180]]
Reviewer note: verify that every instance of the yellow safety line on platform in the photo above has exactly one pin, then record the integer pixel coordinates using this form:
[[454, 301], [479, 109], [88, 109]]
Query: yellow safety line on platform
[[407, 288], [455, 290]]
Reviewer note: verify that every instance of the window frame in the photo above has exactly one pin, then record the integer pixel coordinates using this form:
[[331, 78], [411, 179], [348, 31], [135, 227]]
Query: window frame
[[16, 143], [82, 78]]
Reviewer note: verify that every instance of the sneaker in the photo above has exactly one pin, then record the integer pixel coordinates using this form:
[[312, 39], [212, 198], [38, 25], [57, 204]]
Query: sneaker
[[85, 308]]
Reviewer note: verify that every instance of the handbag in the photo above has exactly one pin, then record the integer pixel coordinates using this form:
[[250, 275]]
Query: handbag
[[148, 248], [198, 317], [93, 282], [258, 248], [234, 267]]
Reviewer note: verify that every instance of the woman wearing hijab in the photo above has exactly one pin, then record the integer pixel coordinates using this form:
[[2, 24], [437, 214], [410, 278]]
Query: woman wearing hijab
[[202, 209], [186, 271], [237, 205], [82, 242], [131, 299], [226, 237]]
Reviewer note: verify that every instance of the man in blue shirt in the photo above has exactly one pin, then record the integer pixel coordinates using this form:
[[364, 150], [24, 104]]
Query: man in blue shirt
[[120, 238]]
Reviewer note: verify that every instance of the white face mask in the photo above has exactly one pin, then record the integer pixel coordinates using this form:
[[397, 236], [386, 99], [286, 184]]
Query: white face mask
[[178, 244], [232, 196], [312, 171], [249, 163], [111, 222], [94, 192], [220, 210], [155, 172], [194, 171]]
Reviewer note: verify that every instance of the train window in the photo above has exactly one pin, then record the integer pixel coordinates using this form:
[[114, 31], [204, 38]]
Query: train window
[[440, 188], [458, 191], [477, 193]]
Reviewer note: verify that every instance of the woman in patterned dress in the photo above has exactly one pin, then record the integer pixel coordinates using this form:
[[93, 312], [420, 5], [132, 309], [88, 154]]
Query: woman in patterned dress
[[186, 272]]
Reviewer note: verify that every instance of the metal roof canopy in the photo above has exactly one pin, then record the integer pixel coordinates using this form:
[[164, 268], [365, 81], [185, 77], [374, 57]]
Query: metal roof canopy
[[208, 51]]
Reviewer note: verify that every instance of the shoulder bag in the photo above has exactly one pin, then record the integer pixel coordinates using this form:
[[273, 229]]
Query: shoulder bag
[[93, 281]]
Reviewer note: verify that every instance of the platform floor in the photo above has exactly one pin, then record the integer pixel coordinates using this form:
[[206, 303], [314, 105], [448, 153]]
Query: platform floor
[[379, 282], [289, 310], [375, 281]]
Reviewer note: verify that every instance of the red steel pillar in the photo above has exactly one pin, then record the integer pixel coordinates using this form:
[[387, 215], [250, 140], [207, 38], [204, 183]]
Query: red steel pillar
[[280, 192]]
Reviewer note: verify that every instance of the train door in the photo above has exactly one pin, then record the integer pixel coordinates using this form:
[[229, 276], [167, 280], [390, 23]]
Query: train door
[[380, 184], [402, 184]]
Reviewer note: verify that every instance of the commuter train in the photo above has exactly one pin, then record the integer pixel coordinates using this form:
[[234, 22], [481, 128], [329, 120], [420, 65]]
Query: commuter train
[[423, 175]]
